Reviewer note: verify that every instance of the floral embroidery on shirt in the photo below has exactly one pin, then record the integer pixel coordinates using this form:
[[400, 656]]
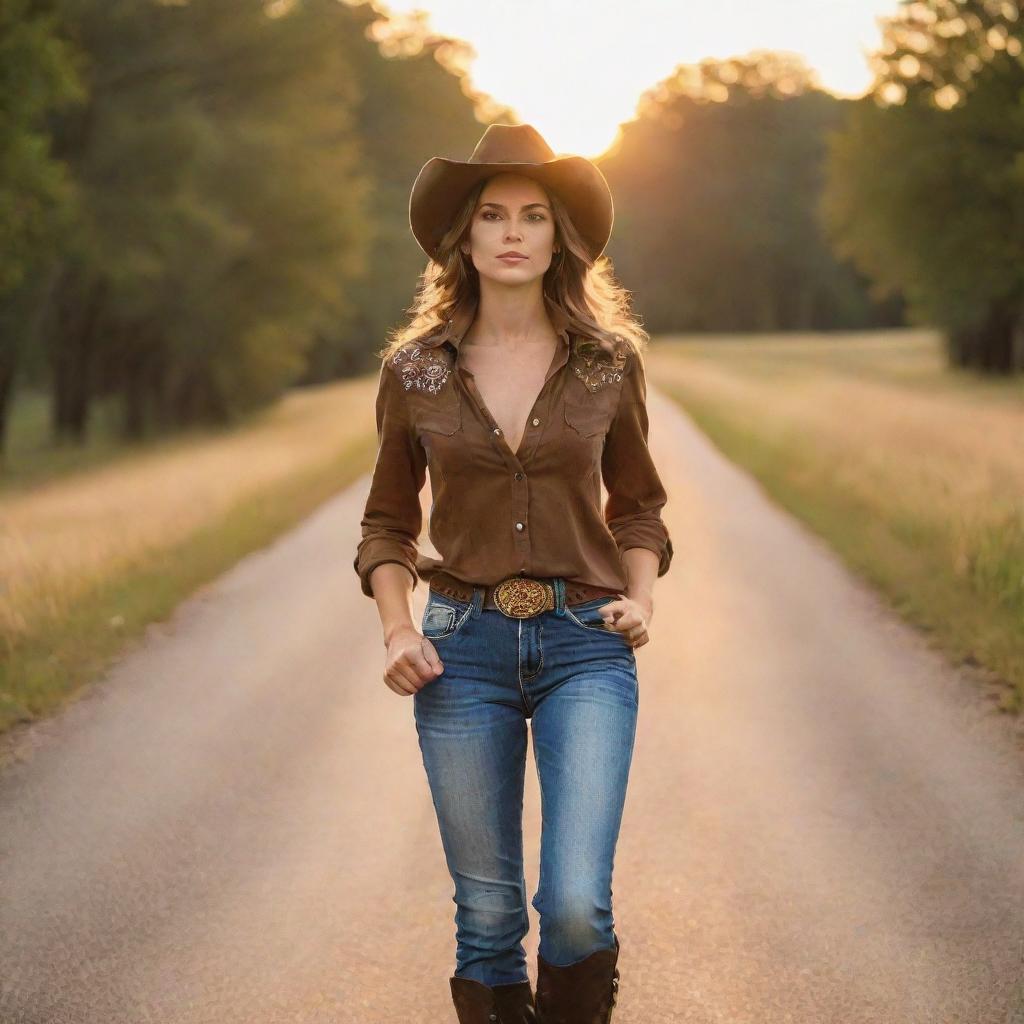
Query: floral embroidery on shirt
[[424, 369], [598, 369]]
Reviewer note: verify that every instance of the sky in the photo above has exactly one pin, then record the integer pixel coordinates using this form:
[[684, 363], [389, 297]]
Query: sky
[[576, 70]]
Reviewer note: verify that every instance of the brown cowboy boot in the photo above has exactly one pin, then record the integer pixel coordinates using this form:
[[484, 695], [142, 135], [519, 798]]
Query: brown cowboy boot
[[581, 993], [477, 1003]]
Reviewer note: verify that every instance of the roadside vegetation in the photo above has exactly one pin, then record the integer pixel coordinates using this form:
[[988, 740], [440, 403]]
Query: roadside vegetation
[[912, 472]]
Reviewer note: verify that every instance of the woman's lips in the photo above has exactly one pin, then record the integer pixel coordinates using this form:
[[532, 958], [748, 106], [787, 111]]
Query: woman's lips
[[513, 259]]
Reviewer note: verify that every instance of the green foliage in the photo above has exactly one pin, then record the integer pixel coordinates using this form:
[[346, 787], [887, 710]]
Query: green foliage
[[238, 177], [36, 76], [222, 201], [715, 186], [925, 178]]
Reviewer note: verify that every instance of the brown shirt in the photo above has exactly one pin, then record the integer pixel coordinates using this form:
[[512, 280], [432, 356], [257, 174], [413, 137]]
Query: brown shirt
[[499, 513]]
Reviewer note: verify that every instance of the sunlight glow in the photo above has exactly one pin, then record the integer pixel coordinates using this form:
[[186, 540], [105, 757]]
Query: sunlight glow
[[576, 71]]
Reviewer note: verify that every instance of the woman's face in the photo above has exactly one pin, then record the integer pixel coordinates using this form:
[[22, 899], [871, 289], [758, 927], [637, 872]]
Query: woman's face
[[512, 215]]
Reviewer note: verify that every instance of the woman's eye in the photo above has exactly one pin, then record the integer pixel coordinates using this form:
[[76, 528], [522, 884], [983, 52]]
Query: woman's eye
[[487, 213]]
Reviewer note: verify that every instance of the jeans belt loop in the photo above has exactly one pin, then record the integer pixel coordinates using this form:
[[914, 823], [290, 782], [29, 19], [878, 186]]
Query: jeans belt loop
[[559, 584]]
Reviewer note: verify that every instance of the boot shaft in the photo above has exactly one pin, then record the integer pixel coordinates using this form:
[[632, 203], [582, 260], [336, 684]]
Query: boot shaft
[[581, 993], [477, 1003]]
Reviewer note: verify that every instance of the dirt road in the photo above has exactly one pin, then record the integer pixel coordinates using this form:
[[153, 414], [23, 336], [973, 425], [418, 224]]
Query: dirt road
[[824, 824]]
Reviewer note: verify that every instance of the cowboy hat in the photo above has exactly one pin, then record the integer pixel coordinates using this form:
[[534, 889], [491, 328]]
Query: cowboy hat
[[442, 185]]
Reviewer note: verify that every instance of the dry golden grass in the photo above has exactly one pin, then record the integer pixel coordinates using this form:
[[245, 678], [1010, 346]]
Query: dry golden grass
[[58, 540], [948, 454], [914, 471]]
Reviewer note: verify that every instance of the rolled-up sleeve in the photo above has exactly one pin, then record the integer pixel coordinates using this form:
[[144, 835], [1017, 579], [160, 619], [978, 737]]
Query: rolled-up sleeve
[[636, 495], [392, 519]]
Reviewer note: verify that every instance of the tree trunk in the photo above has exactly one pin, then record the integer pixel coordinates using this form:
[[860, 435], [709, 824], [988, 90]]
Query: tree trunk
[[73, 349], [1017, 341], [8, 368], [996, 345]]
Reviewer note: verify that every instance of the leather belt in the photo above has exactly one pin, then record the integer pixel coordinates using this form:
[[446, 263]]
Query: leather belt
[[518, 597]]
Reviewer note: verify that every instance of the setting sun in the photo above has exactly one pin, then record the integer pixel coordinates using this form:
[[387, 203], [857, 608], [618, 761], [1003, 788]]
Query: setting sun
[[576, 73]]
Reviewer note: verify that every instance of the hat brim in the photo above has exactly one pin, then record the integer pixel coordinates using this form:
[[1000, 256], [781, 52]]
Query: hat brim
[[442, 185]]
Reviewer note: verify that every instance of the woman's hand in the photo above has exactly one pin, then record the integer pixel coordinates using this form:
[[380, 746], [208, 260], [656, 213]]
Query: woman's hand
[[629, 616], [411, 661]]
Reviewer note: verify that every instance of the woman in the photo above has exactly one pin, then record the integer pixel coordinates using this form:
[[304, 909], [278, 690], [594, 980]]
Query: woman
[[519, 385]]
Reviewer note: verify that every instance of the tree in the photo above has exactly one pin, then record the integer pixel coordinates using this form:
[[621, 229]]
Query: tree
[[926, 180], [240, 171], [715, 185], [222, 207], [37, 76]]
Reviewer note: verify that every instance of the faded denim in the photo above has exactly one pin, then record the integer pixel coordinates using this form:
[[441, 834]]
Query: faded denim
[[577, 682]]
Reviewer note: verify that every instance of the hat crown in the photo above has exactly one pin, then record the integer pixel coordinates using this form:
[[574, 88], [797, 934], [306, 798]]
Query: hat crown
[[511, 144]]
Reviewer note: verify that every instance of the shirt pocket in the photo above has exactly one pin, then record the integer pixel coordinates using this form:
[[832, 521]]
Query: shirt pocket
[[439, 414], [588, 414]]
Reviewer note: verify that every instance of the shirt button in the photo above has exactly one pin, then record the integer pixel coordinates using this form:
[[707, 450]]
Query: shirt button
[[536, 423], [519, 476], [519, 526]]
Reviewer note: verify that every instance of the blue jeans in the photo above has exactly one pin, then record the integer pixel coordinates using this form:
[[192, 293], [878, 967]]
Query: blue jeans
[[577, 681]]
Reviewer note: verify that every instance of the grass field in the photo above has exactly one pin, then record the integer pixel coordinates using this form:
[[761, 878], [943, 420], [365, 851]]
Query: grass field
[[912, 472], [89, 557]]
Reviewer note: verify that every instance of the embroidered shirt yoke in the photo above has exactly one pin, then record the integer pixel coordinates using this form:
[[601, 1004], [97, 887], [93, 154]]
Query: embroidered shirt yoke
[[498, 513]]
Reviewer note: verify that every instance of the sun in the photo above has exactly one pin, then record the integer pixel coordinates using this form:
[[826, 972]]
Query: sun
[[578, 77]]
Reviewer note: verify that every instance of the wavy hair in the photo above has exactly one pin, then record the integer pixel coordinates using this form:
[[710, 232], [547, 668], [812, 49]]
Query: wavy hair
[[596, 305]]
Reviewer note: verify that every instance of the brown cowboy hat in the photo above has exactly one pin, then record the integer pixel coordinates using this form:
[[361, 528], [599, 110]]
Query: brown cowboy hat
[[442, 185]]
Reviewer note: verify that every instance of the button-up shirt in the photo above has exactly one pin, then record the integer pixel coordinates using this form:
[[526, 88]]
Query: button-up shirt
[[495, 512]]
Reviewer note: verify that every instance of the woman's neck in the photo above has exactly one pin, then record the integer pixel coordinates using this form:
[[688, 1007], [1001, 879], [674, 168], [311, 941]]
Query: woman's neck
[[510, 318]]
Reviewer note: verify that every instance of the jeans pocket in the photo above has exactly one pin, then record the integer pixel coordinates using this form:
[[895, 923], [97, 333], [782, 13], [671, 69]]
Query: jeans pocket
[[443, 616], [588, 614]]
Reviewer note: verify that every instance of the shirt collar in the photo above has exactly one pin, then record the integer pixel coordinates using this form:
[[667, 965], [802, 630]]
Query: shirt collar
[[460, 321]]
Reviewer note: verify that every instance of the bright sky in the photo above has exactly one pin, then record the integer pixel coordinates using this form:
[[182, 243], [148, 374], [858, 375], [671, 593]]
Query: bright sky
[[576, 70]]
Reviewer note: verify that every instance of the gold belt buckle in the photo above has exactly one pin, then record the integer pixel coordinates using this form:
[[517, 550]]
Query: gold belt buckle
[[520, 598]]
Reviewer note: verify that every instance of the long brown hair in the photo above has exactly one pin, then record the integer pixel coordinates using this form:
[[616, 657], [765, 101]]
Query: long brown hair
[[596, 305]]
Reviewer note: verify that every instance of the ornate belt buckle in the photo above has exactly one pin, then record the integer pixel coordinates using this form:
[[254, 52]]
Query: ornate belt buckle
[[520, 598]]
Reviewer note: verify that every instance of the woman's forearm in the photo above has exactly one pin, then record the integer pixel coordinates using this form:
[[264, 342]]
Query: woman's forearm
[[392, 590], [641, 566]]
